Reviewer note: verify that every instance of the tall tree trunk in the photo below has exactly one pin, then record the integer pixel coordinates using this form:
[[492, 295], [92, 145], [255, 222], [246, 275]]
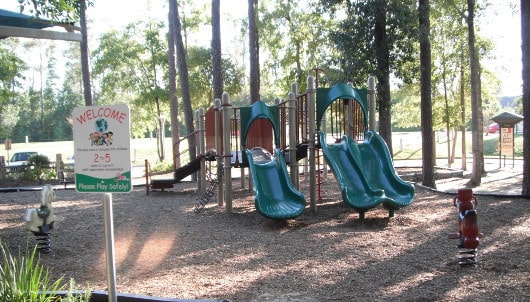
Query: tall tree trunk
[[85, 67], [447, 119], [463, 118], [216, 50], [476, 101], [525, 33], [426, 100], [253, 50], [173, 99], [184, 81], [382, 54]]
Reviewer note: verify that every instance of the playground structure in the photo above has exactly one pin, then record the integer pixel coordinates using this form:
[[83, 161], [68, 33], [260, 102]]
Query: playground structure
[[468, 234], [279, 142], [182, 171], [40, 221]]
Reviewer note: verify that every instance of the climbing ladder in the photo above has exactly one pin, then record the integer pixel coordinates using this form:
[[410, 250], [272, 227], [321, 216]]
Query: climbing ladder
[[210, 192]]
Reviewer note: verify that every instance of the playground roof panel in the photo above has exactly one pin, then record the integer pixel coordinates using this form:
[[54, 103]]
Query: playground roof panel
[[326, 96], [259, 110]]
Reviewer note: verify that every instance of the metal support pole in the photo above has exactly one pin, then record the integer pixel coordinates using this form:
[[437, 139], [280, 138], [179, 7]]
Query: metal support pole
[[109, 244]]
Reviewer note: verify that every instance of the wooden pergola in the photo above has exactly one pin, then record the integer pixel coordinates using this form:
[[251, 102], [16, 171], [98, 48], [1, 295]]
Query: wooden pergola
[[14, 24]]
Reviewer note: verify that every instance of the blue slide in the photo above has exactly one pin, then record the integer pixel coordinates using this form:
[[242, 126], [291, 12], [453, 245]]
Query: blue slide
[[275, 195], [366, 174]]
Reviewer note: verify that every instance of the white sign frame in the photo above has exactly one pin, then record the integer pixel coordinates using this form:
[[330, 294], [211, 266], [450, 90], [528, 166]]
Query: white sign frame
[[102, 148]]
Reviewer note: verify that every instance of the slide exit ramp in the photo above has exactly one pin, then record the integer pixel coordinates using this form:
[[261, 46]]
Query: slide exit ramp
[[275, 195], [378, 168], [344, 160]]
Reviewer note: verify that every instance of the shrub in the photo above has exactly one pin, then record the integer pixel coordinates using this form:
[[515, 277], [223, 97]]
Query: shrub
[[24, 279], [74, 296], [40, 167]]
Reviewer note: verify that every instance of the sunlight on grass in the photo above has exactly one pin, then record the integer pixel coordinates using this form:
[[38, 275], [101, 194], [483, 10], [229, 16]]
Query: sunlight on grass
[[408, 145], [141, 149]]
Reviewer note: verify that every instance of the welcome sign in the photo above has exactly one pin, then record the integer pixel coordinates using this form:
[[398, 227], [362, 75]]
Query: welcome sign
[[102, 148]]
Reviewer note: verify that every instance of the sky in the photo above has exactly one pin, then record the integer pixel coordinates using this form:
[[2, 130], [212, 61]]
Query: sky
[[104, 12], [503, 27], [499, 24]]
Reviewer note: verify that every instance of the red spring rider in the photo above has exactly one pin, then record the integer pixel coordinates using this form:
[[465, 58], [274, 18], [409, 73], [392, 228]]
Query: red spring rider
[[468, 232]]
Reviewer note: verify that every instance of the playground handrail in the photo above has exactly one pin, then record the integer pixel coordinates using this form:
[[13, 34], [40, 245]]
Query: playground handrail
[[177, 158]]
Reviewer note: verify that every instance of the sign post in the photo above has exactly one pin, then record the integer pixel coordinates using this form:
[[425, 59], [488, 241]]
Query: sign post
[[103, 164], [506, 142], [7, 147]]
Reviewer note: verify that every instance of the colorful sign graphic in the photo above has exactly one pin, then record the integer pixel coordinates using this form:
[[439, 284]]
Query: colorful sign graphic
[[102, 148], [506, 141]]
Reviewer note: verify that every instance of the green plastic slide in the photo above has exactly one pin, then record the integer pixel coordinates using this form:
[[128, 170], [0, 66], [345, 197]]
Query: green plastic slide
[[344, 159], [378, 168], [275, 196]]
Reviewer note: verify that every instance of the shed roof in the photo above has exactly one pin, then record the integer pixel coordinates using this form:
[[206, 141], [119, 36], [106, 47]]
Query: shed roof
[[507, 119]]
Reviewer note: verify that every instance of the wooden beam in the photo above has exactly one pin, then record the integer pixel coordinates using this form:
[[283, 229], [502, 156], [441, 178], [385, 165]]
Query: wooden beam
[[9, 31]]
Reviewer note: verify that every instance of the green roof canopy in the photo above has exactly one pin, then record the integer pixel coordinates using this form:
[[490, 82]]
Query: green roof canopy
[[259, 110], [507, 119], [326, 96]]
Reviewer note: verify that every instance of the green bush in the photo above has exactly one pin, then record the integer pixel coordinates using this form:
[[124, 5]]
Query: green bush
[[40, 167], [162, 167], [24, 279], [73, 296]]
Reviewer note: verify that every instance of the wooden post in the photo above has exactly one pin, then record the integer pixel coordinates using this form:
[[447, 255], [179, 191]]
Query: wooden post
[[371, 103], [218, 148], [293, 162], [311, 99], [227, 153]]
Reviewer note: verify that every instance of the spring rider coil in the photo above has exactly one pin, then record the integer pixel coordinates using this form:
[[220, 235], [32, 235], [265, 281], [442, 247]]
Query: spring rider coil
[[40, 221], [468, 234]]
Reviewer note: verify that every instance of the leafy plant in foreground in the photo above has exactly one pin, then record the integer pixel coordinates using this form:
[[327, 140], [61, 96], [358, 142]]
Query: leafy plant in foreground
[[24, 279]]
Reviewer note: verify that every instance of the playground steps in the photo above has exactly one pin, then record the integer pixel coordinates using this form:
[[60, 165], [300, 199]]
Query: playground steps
[[179, 175], [161, 184]]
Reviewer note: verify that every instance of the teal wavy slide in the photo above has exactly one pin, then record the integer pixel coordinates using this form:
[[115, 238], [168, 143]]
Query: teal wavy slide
[[274, 195], [378, 168], [366, 174], [356, 191]]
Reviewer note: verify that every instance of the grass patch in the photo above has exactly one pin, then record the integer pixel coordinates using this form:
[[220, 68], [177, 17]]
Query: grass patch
[[23, 278], [412, 148]]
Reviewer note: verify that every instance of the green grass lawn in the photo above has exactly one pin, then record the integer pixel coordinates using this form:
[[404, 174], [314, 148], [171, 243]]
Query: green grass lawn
[[408, 145], [405, 145], [141, 149]]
